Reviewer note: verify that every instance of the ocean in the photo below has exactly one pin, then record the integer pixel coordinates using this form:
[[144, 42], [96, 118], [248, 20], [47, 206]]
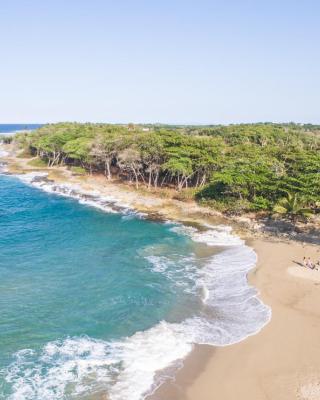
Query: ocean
[[96, 298], [13, 128]]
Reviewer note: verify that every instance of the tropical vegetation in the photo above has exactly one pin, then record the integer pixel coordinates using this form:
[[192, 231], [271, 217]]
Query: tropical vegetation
[[235, 168]]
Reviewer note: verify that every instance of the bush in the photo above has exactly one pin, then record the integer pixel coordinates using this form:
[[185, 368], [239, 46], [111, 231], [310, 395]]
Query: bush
[[6, 139], [228, 205], [260, 203], [210, 191]]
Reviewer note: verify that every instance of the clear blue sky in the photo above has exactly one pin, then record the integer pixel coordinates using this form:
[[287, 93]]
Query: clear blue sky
[[160, 61]]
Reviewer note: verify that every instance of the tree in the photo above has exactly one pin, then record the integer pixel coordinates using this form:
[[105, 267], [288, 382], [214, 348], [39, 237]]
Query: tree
[[129, 160], [238, 167], [79, 151], [104, 150], [152, 155]]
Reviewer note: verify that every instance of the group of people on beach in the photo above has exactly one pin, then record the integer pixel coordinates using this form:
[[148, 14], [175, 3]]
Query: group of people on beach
[[309, 264]]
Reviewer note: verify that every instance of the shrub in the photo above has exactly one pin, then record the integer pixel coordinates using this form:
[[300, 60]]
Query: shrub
[[260, 203]]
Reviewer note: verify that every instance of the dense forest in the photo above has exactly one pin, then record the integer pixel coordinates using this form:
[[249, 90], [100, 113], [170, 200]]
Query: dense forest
[[234, 168]]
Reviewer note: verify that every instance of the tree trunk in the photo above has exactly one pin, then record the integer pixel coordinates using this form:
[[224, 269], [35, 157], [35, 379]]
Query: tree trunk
[[107, 171], [164, 178], [155, 181], [203, 180], [136, 176], [149, 181]]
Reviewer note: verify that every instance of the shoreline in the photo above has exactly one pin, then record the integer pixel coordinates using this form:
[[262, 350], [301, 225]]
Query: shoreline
[[195, 380], [161, 204], [283, 360], [156, 205]]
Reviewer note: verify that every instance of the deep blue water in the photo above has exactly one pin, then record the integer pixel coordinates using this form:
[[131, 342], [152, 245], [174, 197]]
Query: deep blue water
[[10, 128], [70, 271]]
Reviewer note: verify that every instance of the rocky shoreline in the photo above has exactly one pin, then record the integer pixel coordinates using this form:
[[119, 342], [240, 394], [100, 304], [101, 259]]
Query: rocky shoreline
[[159, 207]]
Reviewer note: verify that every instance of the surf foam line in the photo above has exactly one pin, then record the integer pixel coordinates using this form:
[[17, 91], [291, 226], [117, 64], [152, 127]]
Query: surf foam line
[[3, 168], [131, 368], [90, 198], [3, 165], [3, 153]]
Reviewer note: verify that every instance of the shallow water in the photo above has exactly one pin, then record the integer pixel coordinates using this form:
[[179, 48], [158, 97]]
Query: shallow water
[[96, 302]]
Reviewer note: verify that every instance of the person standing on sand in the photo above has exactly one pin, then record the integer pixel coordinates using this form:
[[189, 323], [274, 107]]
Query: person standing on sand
[[309, 263], [304, 262]]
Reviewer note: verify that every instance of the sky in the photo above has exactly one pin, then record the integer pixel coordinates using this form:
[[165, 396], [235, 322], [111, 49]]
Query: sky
[[168, 61]]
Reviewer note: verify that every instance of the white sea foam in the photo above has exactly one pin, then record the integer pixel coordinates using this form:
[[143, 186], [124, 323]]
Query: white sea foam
[[32, 177], [90, 198], [182, 272], [127, 369], [79, 366], [3, 166], [215, 236], [3, 153], [231, 309]]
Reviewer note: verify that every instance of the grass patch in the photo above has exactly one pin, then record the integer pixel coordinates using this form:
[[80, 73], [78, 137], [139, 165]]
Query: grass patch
[[78, 170], [186, 194], [230, 206], [37, 162], [24, 154]]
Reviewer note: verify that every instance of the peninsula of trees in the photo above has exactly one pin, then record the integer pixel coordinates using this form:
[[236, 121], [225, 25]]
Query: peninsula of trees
[[235, 168]]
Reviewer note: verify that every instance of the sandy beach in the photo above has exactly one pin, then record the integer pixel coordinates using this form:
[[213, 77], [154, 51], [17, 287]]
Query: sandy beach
[[282, 361]]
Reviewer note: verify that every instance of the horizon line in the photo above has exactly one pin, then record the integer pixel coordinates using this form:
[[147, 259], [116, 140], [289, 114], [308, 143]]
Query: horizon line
[[163, 123]]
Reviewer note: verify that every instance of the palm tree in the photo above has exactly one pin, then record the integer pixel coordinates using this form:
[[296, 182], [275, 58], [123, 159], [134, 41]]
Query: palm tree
[[292, 207]]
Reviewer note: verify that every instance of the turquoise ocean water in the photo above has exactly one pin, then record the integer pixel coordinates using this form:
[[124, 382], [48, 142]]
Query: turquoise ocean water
[[95, 302]]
